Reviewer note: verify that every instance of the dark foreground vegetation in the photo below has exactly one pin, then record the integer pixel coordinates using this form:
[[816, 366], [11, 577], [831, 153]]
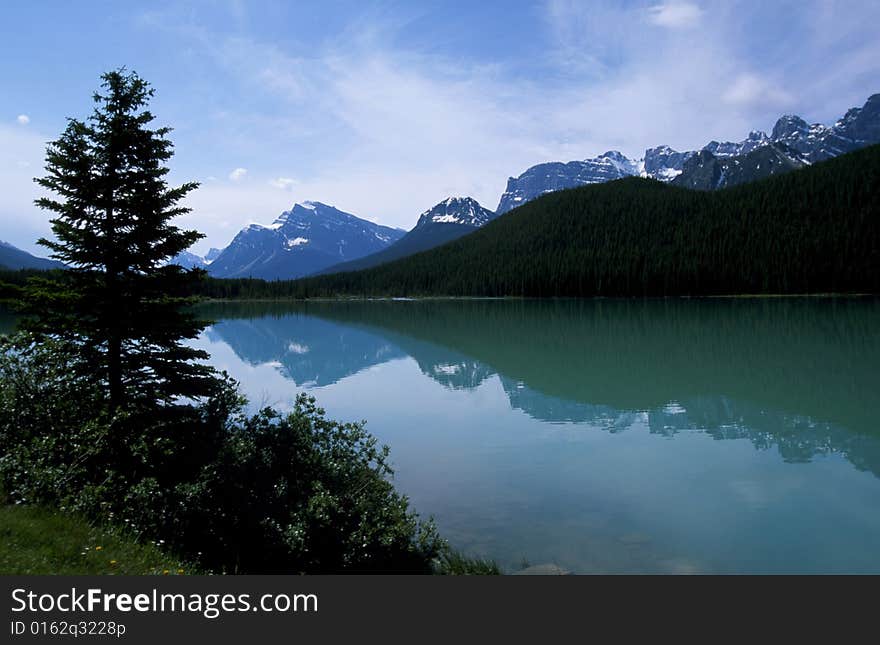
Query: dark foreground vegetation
[[108, 419], [814, 230], [13, 281], [228, 491], [232, 492]]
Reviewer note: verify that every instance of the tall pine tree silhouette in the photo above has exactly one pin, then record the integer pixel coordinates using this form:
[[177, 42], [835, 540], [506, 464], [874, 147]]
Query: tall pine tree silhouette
[[121, 305]]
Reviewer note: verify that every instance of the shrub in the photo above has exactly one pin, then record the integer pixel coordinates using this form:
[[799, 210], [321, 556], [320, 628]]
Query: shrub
[[238, 493]]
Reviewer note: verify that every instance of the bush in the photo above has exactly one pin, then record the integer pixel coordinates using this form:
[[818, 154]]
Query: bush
[[300, 493], [237, 493], [50, 422]]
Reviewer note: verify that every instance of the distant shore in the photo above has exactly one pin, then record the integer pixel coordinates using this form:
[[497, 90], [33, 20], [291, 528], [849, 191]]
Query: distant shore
[[482, 298]]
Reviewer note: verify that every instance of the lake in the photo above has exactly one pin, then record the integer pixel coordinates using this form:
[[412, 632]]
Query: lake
[[605, 436]]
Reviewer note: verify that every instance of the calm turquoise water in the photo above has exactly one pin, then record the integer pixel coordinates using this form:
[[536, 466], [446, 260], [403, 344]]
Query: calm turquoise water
[[719, 435], [734, 435]]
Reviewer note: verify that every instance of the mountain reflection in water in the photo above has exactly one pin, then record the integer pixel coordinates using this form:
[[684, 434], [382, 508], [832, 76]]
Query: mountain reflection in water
[[794, 377]]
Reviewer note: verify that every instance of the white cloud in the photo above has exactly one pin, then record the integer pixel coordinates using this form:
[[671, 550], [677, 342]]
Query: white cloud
[[590, 38], [752, 90], [385, 131], [407, 131], [23, 119], [283, 183], [238, 174], [675, 15]]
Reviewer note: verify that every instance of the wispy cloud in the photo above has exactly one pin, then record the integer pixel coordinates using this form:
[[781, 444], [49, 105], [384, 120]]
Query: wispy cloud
[[675, 15], [383, 118], [751, 90], [391, 132], [23, 119]]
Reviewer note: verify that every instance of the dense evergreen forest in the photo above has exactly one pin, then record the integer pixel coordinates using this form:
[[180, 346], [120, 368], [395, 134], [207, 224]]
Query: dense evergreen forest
[[810, 231]]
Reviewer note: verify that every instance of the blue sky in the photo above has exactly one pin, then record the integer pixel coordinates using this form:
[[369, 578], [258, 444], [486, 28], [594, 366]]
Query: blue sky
[[384, 109]]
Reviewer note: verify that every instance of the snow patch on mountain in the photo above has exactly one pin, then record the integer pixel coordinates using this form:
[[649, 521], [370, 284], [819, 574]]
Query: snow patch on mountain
[[553, 176], [320, 235], [456, 210]]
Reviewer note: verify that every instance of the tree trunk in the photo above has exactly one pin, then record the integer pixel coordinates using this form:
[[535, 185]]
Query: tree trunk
[[114, 371], [114, 340]]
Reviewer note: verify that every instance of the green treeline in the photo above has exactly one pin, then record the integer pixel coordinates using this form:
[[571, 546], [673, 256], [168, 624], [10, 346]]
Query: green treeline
[[248, 289], [12, 281], [811, 231]]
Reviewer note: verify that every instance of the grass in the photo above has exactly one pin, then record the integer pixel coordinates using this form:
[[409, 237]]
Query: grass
[[35, 540], [454, 563], [40, 541]]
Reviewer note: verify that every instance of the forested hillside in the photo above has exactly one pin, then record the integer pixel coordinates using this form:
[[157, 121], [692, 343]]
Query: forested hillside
[[813, 230], [413, 242]]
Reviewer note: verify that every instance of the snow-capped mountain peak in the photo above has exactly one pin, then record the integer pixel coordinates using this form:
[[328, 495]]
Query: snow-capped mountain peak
[[662, 163], [789, 125], [456, 210], [791, 144], [302, 240], [448, 220], [756, 139]]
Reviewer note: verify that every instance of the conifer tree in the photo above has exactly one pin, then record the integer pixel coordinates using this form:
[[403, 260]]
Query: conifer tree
[[120, 303]]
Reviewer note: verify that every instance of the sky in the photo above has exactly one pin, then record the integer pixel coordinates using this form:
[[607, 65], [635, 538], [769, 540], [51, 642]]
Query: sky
[[384, 109]]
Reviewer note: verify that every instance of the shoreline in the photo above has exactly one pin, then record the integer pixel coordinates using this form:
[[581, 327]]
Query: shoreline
[[742, 296]]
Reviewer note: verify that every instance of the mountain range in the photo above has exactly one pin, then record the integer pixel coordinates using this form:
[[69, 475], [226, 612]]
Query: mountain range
[[309, 237], [313, 238], [792, 144], [189, 260], [192, 261], [705, 170], [447, 221], [815, 230]]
